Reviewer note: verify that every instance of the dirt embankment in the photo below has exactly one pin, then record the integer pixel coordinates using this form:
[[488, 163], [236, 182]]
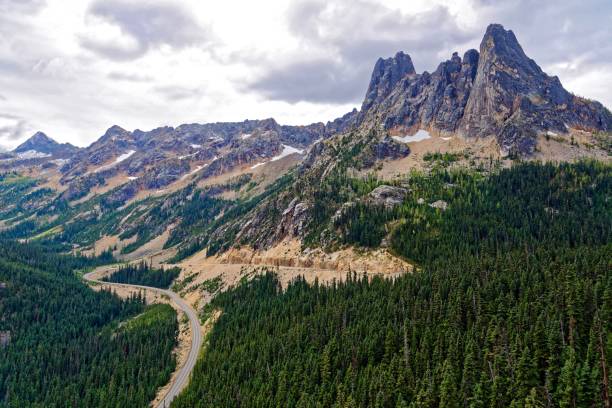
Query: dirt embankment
[[288, 262], [289, 254]]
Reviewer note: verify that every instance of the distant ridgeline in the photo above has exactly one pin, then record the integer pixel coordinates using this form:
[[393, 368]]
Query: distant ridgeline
[[511, 305], [144, 274], [67, 344]]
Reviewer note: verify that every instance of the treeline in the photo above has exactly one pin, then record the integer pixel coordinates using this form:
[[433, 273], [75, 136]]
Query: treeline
[[143, 274], [72, 346], [511, 307]]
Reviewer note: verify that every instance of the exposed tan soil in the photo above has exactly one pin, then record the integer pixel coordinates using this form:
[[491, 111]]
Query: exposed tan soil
[[479, 150], [288, 261], [560, 148], [110, 184], [152, 251], [109, 241]]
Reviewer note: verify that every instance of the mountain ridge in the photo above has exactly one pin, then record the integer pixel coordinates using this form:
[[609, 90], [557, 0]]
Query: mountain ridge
[[472, 110]]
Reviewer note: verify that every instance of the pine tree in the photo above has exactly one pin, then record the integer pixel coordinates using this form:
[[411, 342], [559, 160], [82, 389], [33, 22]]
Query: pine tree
[[568, 384], [449, 397]]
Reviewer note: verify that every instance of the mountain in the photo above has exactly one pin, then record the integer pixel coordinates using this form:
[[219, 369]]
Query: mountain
[[497, 91], [488, 104], [449, 241], [44, 145]]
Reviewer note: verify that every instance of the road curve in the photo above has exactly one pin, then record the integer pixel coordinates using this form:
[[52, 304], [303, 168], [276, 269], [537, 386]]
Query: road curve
[[182, 379]]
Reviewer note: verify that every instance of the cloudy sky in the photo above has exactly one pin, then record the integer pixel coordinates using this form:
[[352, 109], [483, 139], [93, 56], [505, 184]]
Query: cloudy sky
[[73, 68]]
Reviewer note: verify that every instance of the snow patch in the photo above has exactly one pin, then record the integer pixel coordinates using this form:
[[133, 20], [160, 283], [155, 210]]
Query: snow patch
[[195, 146], [549, 133], [118, 160], [131, 178], [287, 150], [245, 136], [417, 137], [32, 154], [188, 155], [446, 138], [198, 168], [124, 156]]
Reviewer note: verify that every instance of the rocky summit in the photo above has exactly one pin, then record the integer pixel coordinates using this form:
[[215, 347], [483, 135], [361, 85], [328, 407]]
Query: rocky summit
[[495, 92], [44, 145]]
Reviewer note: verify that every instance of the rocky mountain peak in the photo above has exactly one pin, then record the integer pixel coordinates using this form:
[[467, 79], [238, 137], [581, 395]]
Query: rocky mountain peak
[[41, 143], [497, 92], [387, 73], [513, 99], [115, 130], [41, 137]]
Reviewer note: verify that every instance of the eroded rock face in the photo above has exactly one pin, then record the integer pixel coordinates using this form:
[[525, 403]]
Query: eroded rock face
[[425, 100], [293, 220], [387, 148], [513, 99]]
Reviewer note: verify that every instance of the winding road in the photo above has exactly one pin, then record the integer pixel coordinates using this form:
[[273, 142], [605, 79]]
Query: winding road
[[182, 378]]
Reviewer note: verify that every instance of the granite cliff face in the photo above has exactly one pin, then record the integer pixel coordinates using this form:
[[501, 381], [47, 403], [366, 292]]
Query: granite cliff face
[[497, 91]]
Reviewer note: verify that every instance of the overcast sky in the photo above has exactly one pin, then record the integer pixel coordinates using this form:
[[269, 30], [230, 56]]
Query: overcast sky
[[73, 68]]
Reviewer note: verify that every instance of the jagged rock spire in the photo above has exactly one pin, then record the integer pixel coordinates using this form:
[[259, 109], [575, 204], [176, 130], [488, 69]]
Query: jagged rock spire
[[387, 73]]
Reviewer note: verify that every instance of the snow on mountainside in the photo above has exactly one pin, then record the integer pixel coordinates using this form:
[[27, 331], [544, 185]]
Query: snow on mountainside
[[118, 160], [32, 154]]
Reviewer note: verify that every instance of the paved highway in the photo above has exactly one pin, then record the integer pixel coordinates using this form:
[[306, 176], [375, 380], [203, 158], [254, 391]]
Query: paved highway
[[182, 379]]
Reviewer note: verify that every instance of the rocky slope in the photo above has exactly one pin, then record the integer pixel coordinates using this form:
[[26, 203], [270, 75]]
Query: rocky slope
[[154, 159], [497, 92]]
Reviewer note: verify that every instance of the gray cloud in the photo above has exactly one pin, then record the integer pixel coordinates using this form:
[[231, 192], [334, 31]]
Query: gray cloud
[[15, 130], [124, 76], [353, 35], [24, 6], [570, 38], [319, 80], [177, 93], [149, 24]]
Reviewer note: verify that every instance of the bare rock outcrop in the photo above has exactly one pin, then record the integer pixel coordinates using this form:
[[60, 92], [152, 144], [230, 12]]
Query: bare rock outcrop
[[387, 196]]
